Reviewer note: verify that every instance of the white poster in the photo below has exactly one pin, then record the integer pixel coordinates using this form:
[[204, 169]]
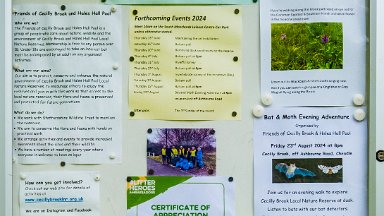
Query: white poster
[[59, 194], [180, 195], [67, 83], [310, 161], [313, 53]]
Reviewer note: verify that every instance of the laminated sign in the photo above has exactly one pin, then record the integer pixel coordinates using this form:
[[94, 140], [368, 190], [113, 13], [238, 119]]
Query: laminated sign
[[312, 162], [180, 196]]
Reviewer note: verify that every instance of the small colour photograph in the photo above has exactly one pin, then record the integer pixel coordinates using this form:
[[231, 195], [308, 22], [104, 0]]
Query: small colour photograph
[[307, 170], [306, 46], [181, 152]]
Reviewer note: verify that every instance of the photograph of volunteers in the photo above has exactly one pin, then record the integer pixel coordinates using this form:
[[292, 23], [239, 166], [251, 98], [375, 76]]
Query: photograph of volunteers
[[181, 151]]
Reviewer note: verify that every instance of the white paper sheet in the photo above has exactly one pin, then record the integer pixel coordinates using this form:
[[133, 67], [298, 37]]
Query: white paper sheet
[[59, 193], [328, 145], [66, 83], [313, 53]]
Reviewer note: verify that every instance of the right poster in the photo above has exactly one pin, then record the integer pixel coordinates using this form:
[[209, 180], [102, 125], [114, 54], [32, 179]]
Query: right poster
[[313, 53], [310, 161]]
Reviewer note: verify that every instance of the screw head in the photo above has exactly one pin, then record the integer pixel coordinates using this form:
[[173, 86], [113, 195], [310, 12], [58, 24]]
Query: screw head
[[380, 156]]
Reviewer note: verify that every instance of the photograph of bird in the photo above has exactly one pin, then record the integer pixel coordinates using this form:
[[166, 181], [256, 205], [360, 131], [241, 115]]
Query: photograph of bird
[[291, 170]]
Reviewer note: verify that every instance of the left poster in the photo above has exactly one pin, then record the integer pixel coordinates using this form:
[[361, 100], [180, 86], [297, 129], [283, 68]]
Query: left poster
[[66, 83]]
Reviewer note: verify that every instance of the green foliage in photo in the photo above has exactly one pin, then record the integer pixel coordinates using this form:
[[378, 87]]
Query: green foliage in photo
[[306, 46]]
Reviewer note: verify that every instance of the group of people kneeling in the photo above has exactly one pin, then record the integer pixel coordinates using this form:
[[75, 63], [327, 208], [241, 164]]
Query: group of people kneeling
[[182, 158]]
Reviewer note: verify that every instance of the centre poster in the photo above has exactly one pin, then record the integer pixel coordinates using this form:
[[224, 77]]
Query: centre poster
[[185, 62]]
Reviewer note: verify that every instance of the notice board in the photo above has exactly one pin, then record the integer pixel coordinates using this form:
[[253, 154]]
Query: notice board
[[101, 93]]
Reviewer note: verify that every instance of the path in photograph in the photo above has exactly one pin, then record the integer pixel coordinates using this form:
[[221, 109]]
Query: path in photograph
[[166, 170]]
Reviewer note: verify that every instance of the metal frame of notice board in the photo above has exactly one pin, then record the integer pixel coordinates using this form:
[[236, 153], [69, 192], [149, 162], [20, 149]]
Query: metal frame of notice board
[[376, 114], [6, 108]]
